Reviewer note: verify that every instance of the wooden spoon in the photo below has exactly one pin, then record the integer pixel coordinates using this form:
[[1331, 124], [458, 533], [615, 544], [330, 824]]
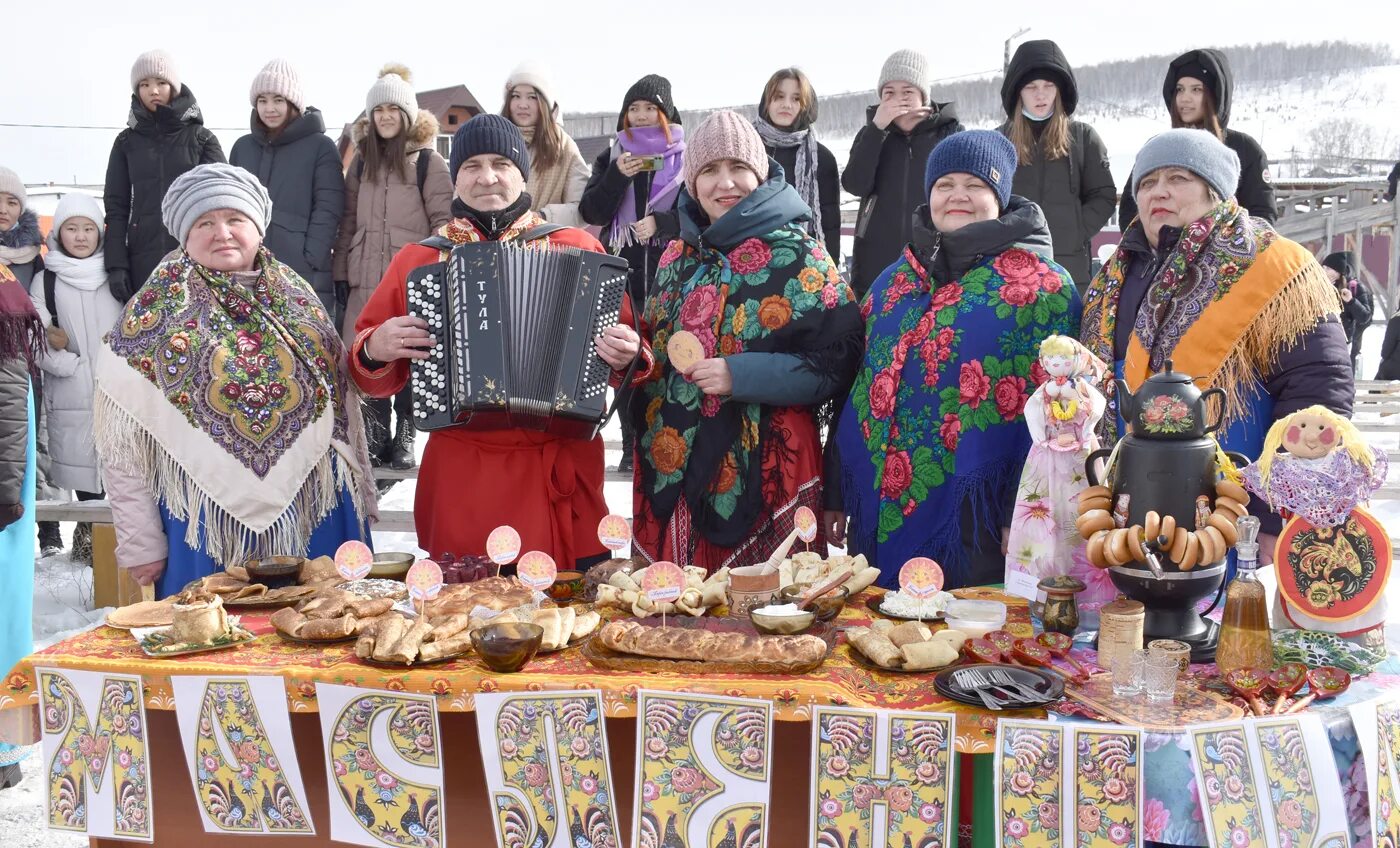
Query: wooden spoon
[[1032, 652], [1249, 683], [982, 651], [1059, 645], [1003, 639], [1286, 680], [1324, 684], [830, 586]]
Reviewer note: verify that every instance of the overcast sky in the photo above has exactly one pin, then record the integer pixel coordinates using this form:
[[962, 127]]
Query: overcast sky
[[69, 62]]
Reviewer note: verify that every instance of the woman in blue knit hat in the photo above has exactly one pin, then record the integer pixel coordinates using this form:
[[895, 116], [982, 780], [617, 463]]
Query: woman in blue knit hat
[[933, 437]]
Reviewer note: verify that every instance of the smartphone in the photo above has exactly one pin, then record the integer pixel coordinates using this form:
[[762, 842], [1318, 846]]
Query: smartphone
[[652, 163]]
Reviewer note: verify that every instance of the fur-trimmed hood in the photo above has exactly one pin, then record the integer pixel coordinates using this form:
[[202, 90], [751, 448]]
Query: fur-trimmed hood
[[420, 135]]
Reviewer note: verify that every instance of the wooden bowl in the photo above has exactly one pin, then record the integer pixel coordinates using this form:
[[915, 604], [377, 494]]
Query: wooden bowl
[[568, 585]]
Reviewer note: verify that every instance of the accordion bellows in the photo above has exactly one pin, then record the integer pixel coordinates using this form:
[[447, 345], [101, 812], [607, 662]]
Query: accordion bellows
[[516, 329]]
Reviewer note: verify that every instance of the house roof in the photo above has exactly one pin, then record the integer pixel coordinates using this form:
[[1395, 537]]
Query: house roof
[[439, 100]]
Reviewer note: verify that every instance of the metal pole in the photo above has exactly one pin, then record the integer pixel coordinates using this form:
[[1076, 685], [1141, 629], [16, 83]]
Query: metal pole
[[1006, 52]]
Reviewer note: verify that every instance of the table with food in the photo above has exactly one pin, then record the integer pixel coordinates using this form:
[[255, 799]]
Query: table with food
[[1162, 518]]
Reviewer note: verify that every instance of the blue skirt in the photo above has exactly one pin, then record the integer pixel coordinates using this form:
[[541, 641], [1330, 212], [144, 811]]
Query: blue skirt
[[17, 582], [184, 564]]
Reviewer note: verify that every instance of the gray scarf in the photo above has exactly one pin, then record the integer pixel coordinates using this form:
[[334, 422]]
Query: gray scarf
[[805, 180]]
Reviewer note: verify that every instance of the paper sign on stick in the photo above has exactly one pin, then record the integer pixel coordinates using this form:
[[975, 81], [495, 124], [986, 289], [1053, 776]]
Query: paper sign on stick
[[806, 523], [869, 763], [353, 560], [237, 741], [703, 770], [98, 772], [537, 570], [614, 532], [546, 761], [503, 545], [384, 770]]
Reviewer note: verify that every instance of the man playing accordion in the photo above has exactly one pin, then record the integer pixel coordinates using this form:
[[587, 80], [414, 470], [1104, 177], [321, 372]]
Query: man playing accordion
[[548, 487]]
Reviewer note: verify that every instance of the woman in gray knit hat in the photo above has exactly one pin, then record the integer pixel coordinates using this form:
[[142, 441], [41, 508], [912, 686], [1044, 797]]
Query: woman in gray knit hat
[[224, 421]]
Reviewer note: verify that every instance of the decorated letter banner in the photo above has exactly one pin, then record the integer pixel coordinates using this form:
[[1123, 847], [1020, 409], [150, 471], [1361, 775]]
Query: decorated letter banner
[[704, 774], [237, 741], [1077, 786], [384, 774], [881, 778], [1301, 790], [1030, 775], [96, 761], [539, 750], [1378, 729], [1226, 782]]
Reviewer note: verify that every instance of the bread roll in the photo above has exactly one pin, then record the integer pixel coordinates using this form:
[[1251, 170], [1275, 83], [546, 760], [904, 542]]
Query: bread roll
[[449, 627], [451, 647], [554, 633], [288, 621], [585, 623], [369, 607], [390, 631], [877, 648], [919, 656], [328, 628], [909, 632], [882, 625], [407, 648], [956, 638]]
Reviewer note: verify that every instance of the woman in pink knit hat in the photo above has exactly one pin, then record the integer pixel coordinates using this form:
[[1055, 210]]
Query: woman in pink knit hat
[[755, 336]]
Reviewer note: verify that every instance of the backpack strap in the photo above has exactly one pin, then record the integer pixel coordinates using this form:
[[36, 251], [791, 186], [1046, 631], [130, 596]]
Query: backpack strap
[[50, 300], [424, 159]]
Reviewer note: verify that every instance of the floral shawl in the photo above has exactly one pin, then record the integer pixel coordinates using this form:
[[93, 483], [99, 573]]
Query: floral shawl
[[1229, 297], [775, 293], [231, 402], [935, 418]]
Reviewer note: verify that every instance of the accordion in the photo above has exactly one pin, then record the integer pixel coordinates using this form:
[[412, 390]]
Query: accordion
[[515, 329]]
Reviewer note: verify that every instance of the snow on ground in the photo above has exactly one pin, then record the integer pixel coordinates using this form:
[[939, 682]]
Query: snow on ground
[[63, 594]]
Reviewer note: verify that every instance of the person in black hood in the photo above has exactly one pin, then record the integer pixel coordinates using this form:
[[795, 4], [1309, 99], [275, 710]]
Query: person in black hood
[[291, 155], [1392, 181], [787, 112], [1198, 90], [632, 196], [164, 138], [1062, 165], [1357, 304], [886, 167]]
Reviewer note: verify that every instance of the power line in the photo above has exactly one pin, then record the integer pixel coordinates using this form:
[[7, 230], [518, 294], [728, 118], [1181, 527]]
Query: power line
[[90, 127]]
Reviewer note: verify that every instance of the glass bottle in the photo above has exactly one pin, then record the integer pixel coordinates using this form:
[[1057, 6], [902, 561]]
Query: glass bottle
[[1244, 627]]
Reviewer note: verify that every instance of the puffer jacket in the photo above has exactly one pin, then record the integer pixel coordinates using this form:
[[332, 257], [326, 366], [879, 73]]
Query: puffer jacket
[[385, 214], [154, 149], [301, 171]]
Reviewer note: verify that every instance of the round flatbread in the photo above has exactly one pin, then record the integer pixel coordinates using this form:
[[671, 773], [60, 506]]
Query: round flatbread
[[684, 350]]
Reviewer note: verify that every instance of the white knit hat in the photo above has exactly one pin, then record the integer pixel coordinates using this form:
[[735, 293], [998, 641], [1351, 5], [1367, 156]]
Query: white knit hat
[[155, 63], [536, 76], [393, 87], [75, 205], [909, 66], [277, 77], [10, 183]]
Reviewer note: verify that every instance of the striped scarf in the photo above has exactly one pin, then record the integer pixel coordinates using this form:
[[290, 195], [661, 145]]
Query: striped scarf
[[805, 180]]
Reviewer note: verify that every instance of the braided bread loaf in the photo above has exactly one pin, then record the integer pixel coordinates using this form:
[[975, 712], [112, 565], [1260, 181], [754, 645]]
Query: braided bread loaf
[[675, 643]]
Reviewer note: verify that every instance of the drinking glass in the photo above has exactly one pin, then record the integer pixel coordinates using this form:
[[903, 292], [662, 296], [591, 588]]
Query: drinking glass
[[1128, 669], [1162, 672]]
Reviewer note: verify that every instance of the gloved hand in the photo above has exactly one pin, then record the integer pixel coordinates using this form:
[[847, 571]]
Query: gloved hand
[[10, 513], [119, 280]]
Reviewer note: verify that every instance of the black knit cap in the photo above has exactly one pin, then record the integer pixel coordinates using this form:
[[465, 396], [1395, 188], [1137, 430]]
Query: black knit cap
[[655, 89], [489, 133], [1343, 262]]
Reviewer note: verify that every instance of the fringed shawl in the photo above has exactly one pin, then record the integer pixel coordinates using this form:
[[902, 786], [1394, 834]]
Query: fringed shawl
[[231, 403], [21, 329], [1231, 296]]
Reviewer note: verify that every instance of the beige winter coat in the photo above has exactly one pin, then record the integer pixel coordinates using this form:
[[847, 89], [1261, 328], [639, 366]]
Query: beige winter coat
[[555, 193], [387, 214]]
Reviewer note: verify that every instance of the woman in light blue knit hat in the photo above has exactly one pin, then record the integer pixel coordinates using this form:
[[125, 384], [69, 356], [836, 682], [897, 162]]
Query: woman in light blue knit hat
[[224, 419]]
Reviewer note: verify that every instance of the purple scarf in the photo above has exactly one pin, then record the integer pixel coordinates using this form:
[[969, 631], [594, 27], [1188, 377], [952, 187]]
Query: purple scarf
[[665, 184]]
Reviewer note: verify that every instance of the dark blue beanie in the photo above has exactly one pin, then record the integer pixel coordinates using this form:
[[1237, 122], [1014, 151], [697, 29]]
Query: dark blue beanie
[[986, 154], [489, 133]]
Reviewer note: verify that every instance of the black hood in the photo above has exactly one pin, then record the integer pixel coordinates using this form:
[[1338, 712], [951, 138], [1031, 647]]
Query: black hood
[[943, 115], [1032, 59], [182, 110], [308, 123], [1021, 224], [1210, 67]]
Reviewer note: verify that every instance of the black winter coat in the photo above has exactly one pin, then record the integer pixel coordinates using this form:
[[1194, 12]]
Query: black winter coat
[[300, 169], [828, 192], [600, 202], [1356, 316], [886, 171], [1254, 193], [1390, 351], [154, 149]]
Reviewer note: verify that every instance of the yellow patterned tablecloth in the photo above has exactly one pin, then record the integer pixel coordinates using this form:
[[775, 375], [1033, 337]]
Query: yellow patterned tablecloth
[[839, 681]]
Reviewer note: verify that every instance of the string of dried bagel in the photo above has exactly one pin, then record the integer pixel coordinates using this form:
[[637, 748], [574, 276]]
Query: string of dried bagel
[[1213, 536]]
